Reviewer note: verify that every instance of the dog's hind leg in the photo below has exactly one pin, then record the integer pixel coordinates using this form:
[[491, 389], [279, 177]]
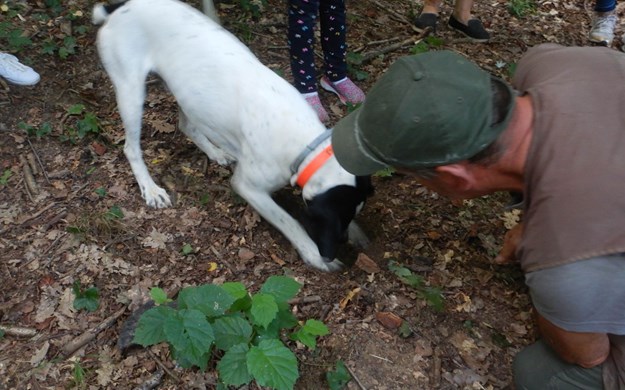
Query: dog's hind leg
[[130, 94], [262, 202]]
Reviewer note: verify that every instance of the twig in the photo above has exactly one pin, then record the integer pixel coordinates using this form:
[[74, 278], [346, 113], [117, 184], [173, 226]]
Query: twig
[[395, 46], [37, 214], [43, 169], [29, 178], [400, 17], [435, 376], [18, 331], [381, 358], [152, 382], [167, 370], [309, 299], [55, 219], [86, 337], [355, 378]]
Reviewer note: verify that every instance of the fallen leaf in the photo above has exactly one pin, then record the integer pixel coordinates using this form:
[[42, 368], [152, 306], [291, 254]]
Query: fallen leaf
[[350, 297], [246, 254], [388, 320], [365, 263], [40, 354]]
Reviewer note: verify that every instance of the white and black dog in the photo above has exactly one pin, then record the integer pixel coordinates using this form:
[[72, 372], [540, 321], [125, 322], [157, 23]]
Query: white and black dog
[[234, 109]]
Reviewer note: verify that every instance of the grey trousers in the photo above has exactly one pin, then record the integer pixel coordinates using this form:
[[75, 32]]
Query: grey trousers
[[537, 367]]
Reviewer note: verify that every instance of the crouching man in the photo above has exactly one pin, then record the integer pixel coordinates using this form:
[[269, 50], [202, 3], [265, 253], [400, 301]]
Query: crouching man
[[559, 138]]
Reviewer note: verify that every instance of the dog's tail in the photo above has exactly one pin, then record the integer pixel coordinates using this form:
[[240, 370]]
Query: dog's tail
[[102, 11]]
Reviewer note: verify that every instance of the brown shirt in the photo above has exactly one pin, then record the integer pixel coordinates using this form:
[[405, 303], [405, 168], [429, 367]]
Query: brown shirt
[[575, 171]]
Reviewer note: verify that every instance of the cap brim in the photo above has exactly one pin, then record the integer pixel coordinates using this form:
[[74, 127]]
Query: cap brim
[[347, 149]]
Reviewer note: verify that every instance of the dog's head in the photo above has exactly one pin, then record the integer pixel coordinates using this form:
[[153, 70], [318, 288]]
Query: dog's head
[[329, 213]]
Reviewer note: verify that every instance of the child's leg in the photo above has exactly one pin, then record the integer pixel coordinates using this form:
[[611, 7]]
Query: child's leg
[[333, 33], [302, 19]]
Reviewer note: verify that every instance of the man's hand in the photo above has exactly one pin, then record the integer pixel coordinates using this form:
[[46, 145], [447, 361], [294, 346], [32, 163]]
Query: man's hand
[[510, 242]]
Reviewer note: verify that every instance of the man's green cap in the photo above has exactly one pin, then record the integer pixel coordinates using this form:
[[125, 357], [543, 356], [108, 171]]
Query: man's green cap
[[427, 110]]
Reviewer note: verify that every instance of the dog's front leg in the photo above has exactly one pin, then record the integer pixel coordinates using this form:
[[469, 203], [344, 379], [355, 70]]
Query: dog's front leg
[[130, 103], [357, 236], [262, 202]]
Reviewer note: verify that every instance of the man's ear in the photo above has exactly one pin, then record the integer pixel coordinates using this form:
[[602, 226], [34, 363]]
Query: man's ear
[[457, 176]]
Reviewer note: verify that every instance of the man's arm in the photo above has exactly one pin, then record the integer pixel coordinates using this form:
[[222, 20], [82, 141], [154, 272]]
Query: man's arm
[[584, 349]]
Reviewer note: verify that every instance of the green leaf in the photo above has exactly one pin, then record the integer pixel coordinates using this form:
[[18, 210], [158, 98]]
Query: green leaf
[[2, 333], [87, 299], [187, 249], [282, 288], [236, 289], [230, 331], [76, 109], [305, 338], [243, 301], [264, 309], [232, 367], [114, 213], [159, 296], [150, 329], [191, 335], [315, 327], [210, 299], [338, 378], [4, 179], [273, 364], [307, 335]]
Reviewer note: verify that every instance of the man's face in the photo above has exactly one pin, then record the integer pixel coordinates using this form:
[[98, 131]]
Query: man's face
[[458, 183]]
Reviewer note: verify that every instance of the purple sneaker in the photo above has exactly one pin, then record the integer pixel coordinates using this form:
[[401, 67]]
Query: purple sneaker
[[345, 89], [314, 101]]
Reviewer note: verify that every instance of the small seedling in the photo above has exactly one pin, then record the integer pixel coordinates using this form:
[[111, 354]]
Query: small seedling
[[386, 172], [85, 299], [6, 175], [85, 123], [41, 131], [521, 8], [114, 213], [101, 192], [428, 43], [338, 378], [187, 249], [432, 295], [78, 374]]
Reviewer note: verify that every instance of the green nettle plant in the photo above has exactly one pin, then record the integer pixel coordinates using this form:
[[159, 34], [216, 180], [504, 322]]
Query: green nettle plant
[[244, 328]]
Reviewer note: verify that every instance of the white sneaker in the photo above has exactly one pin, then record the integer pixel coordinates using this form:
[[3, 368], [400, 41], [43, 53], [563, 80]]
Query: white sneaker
[[602, 31], [14, 72]]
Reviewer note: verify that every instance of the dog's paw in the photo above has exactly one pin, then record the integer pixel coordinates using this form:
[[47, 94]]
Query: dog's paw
[[156, 197], [327, 265]]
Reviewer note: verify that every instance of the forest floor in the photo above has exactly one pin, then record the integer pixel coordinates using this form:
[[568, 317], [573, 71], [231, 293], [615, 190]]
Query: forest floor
[[80, 217]]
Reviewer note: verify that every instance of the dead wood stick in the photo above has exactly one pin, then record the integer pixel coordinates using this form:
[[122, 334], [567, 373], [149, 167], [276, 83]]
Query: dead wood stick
[[29, 178], [398, 16], [436, 368], [152, 382], [355, 378], [54, 220], [18, 331], [30, 157], [37, 214], [87, 336], [309, 299], [395, 46], [167, 370], [43, 169]]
